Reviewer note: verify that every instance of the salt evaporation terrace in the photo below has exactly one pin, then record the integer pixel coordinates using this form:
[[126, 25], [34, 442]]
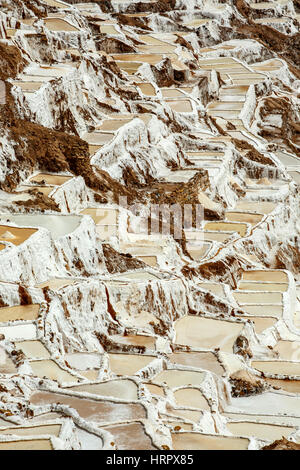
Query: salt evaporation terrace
[[114, 336]]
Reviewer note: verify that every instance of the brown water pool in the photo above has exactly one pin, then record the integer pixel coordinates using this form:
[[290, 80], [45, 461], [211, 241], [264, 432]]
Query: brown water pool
[[197, 441], [19, 312], [92, 410]]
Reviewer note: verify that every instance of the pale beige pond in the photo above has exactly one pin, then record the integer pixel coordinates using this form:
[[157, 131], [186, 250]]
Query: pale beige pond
[[198, 252], [15, 235], [128, 67], [261, 323], [178, 425], [252, 219], [267, 432], [57, 24], [197, 441], [234, 90], [57, 283], [237, 98], [227, 226], [258, 297], [150, 39], [265, 68], [180, 106], [212, 287], [155, 389], [149, 260], [130, 436], [201, 360], [147, 89], [288, 421], [49, 369], [108, 29], [113, 124], [141, 250], [10, 32], [98, 138], [191, 415], [102, 216], [187, 89], [46, 190], [37, 77], [53, 3], [245, 76], [52, 179], [278, 367], [264, 310], [32, 444], [247, 81], [226, 114], [262, 5], [50, 429], [295, 175], [124, 389], [33, 349], [217, 236], [206, 333], [128, 364], [226, 105], [19, 312], [137, 276], [90, 374], [288, 350], [18, 332], [265, 275], [197, 22], [290, 386], [263, 286], [92, 410], [220, 60], [172, 93], [136, 340], [177, 378], [107, 231], [28, 86], [191, 397], [205, 155], [157, 48], [273, 403], [152, 59]]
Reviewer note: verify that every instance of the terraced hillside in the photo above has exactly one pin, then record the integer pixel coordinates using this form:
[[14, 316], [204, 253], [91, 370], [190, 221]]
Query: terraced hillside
[[149, 224]]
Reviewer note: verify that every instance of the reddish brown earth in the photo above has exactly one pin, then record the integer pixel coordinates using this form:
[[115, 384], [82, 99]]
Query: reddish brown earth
[[282, 444]]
